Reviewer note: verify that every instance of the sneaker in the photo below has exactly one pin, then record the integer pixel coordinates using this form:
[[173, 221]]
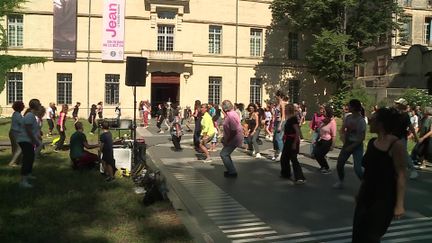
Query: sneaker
[[279, 157], [414, 174], [13, 164], [325, 171], [91, 133], [423, 166], [338, 185], [253, 153], [161, 131], [56, 150], [300, 182], [230, 175], [25, 184], [258, 156], [207, 160]]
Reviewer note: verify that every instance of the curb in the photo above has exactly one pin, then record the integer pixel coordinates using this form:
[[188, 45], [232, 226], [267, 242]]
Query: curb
[[201, 228]]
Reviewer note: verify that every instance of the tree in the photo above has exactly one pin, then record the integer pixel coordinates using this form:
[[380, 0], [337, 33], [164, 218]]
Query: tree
[[346, 26], [9, 62]]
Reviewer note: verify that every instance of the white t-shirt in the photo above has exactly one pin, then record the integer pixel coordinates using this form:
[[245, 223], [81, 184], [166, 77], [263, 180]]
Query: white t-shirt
[[49, 113], [268, 115]]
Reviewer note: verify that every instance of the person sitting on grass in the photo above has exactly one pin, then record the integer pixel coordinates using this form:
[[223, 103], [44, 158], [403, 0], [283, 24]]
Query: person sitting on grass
[[106, 148], [81, 158]]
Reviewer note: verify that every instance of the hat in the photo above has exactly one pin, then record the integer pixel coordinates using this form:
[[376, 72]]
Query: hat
[[401, 101]]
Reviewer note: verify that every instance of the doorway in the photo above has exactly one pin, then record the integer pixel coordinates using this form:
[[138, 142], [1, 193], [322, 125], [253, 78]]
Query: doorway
[[165, 87]]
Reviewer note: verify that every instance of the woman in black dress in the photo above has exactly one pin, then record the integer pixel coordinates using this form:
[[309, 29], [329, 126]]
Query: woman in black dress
[[291, 147], [382, 192]]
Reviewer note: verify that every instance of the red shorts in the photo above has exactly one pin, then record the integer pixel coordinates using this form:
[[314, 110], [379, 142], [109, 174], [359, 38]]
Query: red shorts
[[87, 160]]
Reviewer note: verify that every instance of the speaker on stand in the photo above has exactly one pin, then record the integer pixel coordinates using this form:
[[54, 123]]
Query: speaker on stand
[[136, 73]]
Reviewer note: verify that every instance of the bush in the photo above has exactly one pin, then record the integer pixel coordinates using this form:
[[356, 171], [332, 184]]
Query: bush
[[342, 97], [416, 97]]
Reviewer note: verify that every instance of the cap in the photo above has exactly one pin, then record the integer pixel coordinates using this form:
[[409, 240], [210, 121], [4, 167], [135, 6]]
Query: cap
[[401, 101]]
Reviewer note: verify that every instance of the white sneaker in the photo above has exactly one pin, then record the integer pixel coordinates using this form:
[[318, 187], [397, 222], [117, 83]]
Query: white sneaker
[[413, 174], [208, 160], [253, 153], [258, 156], [25, 184], [279, 157], [273, 158]]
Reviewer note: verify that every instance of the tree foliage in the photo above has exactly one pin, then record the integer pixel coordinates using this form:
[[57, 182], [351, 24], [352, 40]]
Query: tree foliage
[[342, 97], [417, 97], [8, 62], [348, 26]]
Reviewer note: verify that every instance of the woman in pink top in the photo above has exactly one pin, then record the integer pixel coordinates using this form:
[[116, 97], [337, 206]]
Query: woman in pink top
[[326, 140]]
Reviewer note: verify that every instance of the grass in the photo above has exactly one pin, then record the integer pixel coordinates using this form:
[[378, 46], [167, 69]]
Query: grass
[[72, 206]]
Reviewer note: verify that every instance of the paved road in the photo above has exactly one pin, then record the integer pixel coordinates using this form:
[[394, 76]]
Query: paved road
[[259, 206]]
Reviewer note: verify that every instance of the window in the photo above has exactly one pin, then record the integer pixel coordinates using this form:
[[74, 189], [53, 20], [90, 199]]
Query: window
[[64, 88], [406, 32], [429, 3], [15, 30], [255, 42], [294, 91], [215, 33], [215, 84], [427, 31], [166, 15], [407, 3], [112, 88], [381, 65], [14, 87], [293, 46], [165, 39], [255, 90]]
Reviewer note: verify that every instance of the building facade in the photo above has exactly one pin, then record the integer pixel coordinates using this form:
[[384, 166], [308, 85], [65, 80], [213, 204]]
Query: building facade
[[206, 50], [387, 73]]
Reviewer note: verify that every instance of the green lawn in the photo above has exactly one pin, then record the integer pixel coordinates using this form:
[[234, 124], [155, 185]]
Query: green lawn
[[72, 206]]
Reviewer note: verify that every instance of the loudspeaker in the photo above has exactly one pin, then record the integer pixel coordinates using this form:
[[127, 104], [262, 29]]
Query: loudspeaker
[[136, 71]]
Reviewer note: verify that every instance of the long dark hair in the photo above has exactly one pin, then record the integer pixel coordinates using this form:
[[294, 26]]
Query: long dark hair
[[329, 113]]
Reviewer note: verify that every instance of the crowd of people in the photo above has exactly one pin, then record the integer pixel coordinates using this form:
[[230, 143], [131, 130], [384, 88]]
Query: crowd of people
[[381, 168], [26, 138]]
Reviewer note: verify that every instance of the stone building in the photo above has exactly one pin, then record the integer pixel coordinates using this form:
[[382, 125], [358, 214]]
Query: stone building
[[204, 49], [402, 61]]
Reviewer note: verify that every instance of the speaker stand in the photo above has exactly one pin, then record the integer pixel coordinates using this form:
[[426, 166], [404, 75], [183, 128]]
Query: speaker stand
[[134, 127]]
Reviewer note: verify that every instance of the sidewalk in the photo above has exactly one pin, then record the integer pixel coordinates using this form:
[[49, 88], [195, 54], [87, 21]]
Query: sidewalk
[[258, 206]]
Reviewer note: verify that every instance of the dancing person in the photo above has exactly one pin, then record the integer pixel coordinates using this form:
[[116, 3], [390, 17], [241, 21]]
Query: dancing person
[[278, 124], [314, 125], [232, 137], [161, 116], [422, 151], [254, 130], [40, 112], [99, 108], [176, 131], [146, 108], [16, 123], [197, 130], [187, 116], [118, 113], [92, 118], [291, 148], [81, 159], [75, 112], [402, 132], [267, 123], [61, 127], [353, 134], [50, 117], [207, 132], [28, 139], [382, 192], [326, 140], [106, 148], [215, 120]]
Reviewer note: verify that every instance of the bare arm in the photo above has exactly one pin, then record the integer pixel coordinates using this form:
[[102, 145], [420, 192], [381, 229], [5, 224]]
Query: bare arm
[[399, 160], [256, 122], [413, 132], [88, 146]]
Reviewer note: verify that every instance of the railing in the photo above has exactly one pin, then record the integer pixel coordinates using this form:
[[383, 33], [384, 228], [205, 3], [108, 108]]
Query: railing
[[167, 55]]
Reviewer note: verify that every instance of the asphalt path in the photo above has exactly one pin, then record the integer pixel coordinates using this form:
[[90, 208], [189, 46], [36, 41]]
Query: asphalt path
[[261, 206]]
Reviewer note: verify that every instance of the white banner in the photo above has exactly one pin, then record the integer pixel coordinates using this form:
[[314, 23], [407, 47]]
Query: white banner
[[113, 30]]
